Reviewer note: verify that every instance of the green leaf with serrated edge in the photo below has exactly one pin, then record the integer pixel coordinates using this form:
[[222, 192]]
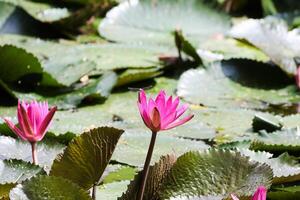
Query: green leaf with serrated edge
[[4, 190], [285, 167], [111, 191], [5, 11], [51, 187], [226, 49], [87, 156], [156, 175], [82, 59], [40, 11], [215, 172], [11, 148], [236, 84], [278, 142], [267, 34], [145, 21], [16, 171]]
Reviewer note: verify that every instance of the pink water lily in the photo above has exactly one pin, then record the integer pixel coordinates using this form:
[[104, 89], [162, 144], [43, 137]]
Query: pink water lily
[[34, 119], [260, 194], [162, 113]]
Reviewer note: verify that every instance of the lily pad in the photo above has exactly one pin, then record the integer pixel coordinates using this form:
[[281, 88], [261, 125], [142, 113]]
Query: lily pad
[[198, 174], [87, 156], [16, 171], [278, 142], [111, 191], [285, 167], [267, 34], [83, 59], [156, 175], [40, 11], [221, 85], [11, 148], [51, 187], [134, 141], [145, 21]]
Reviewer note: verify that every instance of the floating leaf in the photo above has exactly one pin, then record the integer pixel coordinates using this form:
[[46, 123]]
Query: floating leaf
[[16, 171], [11, 148], [134, 141], [40, 11], [156, 176], [214, 172], [267, 34], [279, 142], [111, 191], [285, 167], [287, 193], [82, 59], [87, 156], [266, 122], [226, 49], [232, 84], [120, 173], [145, 21], [51, 187]]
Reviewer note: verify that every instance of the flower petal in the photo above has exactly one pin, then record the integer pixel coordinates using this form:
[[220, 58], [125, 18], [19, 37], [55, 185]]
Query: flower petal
[[25, 121], [144, 115], [260, 194], [142, 97], [15, 129], [160, 102], [179, 122], [181, 110], [155, 119], [45, 124]]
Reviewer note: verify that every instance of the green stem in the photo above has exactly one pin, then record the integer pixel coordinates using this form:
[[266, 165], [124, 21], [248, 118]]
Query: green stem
[[94, 191], [34, 153], [146, 167]]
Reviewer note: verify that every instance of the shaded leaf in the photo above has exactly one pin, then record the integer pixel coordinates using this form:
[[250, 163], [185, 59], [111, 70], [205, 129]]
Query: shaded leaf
[[11, 148], [16, 171], [51, 187], [215, 172], [156, 176], [4, 190], [236, 84], [87, 156], [5, 12]]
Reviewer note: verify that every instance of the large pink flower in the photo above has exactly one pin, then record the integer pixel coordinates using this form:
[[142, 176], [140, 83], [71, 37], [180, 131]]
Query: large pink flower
[[163, 112], [34, 119], [260, 194]]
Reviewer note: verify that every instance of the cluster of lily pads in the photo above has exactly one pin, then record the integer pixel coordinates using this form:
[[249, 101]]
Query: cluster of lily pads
[[234, 62]]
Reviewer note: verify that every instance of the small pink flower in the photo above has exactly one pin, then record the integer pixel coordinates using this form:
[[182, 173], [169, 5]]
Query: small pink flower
[[163, 112], [260, 194], [34, 119]]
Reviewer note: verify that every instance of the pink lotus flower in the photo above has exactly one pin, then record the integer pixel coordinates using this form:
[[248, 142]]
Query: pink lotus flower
[[260, 194], [34, 119], [163, 112]]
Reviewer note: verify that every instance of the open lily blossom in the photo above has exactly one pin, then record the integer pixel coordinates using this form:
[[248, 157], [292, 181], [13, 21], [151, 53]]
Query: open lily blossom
[[260, 194], [162, 113], [34, 119]]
